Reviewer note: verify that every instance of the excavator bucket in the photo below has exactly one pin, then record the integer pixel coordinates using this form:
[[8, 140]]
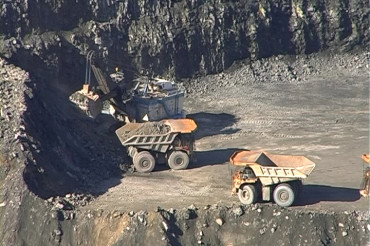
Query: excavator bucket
[[181, 125], [87, 101]]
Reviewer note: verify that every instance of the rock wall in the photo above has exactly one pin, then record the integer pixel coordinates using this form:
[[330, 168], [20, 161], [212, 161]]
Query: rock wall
[[179, 38], [210, 225], [44, 153]]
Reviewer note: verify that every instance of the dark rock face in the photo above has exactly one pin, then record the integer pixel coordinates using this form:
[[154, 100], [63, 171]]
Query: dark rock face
[[182, 38]]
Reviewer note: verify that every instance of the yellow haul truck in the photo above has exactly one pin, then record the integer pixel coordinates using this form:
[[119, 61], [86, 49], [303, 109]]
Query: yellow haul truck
[[152, 142], [263, 174]]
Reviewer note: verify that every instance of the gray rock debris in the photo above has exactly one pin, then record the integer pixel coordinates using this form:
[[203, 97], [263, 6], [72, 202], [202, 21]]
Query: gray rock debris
[[238, 211], [289, 70], [219, 221]]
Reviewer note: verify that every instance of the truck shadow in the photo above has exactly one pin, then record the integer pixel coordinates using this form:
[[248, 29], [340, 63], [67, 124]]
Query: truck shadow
[[313, 194], [212, 157], [204, 158], [210, 124]]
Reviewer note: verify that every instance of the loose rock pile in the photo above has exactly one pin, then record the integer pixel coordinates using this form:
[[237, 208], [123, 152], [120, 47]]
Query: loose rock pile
[[279, 69], [70, 201], [218, 224], [148, 128], [14, 92]]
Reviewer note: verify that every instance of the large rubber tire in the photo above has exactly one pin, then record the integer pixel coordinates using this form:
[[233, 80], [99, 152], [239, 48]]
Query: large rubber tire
[[144, 162], [247, 194], [284, 195], [178, 160]]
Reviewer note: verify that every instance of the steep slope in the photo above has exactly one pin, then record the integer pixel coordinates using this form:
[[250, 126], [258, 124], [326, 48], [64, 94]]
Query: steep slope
[[181, 38]]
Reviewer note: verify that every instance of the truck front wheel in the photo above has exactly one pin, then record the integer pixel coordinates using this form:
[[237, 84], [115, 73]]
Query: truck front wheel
[[144, 162], [247, 194], [178, 160], [284, 195]]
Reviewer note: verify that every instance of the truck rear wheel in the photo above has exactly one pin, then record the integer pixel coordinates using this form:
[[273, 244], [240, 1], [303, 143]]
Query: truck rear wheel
[[284, 195], [144, 162], [247, 194], [178, 160]]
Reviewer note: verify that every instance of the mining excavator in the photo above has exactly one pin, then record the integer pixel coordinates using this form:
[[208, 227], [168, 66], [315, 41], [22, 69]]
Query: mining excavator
[[147, 100], [152, 110]]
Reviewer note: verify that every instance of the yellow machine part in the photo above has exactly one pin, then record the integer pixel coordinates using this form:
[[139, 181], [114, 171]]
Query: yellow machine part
[[366, 180], [253, 158], [87, 101], [366, 158]]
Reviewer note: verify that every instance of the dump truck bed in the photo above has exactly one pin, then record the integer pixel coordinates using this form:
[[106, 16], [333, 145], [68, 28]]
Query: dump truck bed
[[155, 136], [271, 168], [181, 125]]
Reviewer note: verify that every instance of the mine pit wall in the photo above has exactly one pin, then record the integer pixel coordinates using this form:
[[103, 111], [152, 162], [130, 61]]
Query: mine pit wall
[[22, 213], [179, 38]]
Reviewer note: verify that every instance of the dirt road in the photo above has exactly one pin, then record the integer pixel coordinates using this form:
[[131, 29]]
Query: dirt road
[[324, 118]]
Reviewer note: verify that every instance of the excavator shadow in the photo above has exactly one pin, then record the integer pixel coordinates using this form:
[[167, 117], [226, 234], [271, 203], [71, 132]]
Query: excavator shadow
[[313, 194], [210, 124]]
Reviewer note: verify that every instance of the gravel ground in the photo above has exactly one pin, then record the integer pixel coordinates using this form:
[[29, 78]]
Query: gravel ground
[[324, 117]]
